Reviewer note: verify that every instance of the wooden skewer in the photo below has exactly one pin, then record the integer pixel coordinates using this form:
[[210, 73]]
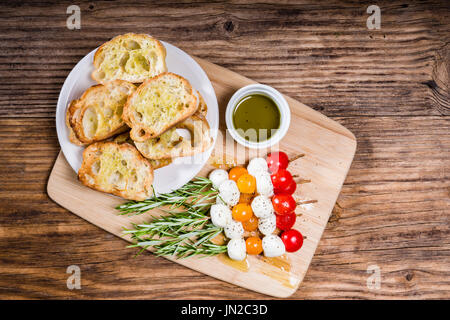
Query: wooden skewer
[[302, 181], [306, 202], [296, 157]]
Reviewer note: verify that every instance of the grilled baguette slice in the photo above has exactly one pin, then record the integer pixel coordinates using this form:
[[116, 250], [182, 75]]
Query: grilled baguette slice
[[158, 104], [97, 115], [155, 163], [171, 145], [116, 169], [72, 114], [131, 57], [202, 106]]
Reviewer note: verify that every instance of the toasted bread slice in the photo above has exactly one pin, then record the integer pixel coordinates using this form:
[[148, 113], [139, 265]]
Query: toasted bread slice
[[155, 163], [202, 107], [72, 114], [158, 104], [131, 57], [117, 169], [97, 115], [170, 144]]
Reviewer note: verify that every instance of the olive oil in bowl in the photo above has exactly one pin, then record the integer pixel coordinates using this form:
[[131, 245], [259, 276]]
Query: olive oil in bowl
[[256, 117]]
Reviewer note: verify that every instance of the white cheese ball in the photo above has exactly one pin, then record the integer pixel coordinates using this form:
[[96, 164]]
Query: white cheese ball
[[257, 165], [220, 201], [262, 207], [267, 225], [273, 246], [236, 249], [264, 184], [229, 192], [217, 177], [234, 230], [220, 215]]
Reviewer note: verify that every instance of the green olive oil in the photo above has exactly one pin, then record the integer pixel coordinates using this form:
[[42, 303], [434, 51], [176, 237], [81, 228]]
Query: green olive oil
[[256, 117]]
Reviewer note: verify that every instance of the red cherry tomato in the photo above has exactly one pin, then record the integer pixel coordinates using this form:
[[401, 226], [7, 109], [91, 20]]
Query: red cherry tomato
[[286, 221], [277, 160], [281, 179], [283, 203], [292, 239], [290, 189]]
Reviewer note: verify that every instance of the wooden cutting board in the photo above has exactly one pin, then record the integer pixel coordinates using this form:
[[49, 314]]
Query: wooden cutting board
[[328, 150]]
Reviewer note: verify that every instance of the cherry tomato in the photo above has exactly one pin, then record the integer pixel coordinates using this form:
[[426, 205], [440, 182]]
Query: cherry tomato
[[281, 179], [251, 224], [286, 221], [290, 189], [242, 212], [253, 245], [277, 160], [246, 198], [283, 203], [246, 183], [292, 239], [236, 172]]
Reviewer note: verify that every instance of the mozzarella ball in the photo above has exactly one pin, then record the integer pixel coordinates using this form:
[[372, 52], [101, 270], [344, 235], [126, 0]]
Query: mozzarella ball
[[273, 246], [262, 207], [257, 165], [268, 225], [220, 215], [234, 230], [229, 192], [264, 184], [220, 201], [217, 177], [236, 249]]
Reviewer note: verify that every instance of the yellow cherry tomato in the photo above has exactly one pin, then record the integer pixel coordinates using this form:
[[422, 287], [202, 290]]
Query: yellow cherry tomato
[[242, 212], [236, 172], [253, 245], [251, 224], [245, 198], [246, 183]]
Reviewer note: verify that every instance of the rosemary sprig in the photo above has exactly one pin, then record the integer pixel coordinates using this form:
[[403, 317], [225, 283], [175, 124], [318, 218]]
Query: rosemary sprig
[[197, 193], [186, 231], [183, 234]]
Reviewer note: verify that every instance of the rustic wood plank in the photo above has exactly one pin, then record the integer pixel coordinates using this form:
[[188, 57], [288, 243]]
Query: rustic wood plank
[[389, 214], [389, 87]]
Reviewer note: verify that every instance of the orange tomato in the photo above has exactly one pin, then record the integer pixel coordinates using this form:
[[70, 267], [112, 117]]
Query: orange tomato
[[251, 224], [245, 198], [236, 172], [253, 245], [242, 212], [246, 183]]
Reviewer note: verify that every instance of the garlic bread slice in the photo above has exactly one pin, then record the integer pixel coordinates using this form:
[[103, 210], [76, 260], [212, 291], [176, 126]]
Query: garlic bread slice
[[97, 115], [202, 106], [117, 169], [72, 114], [131, 57], [170, 144], [155, 163], [158, 104]]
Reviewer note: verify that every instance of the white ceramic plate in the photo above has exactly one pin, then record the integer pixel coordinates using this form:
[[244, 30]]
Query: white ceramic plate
[[181, 170]]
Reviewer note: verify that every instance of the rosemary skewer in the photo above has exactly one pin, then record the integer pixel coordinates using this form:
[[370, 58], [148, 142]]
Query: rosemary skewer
[[197, 193], [186, 231], [182, 234]]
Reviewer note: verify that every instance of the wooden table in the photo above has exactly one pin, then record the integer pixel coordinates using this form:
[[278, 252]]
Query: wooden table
[[390, 87]]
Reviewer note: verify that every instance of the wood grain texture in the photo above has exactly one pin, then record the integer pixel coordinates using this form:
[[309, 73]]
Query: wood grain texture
[[388, 86]]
